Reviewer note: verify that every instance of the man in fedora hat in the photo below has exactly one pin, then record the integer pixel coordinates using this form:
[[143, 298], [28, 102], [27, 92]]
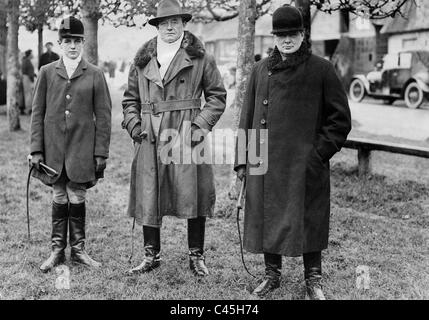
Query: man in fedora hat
[[169, 74], [70, 132], [298, 98]]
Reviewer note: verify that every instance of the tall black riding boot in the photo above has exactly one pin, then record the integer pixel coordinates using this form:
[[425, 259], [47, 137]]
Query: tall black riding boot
[[152, 247], [77, 236], [271, 281], [196, 232], [58, 237], [313, 275]]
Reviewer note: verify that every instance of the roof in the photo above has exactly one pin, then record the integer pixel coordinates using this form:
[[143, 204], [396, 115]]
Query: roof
[[414, 18]]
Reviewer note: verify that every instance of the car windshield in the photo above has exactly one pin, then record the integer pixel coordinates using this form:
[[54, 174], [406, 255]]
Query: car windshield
[[405, 60], [390, 61]]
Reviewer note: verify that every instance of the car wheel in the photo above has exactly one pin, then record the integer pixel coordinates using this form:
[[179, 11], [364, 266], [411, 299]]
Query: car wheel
[[357, 90], [413, 95]]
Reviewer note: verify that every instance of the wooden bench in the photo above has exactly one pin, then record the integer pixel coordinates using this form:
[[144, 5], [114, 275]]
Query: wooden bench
[[365, 146]]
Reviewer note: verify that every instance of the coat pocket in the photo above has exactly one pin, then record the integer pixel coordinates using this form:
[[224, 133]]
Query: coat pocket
[[315, 159]]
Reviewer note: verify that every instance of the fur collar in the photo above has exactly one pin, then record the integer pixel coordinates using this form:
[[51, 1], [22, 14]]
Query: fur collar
[[193, 46], [293, 60]]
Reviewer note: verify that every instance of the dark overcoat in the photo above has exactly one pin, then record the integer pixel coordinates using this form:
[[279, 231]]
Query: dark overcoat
[[304, 106], [71, 119], [157, 188]]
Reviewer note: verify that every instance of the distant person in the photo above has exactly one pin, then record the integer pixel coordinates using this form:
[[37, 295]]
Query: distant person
[[2, 89], [123, 66], [111, 66], [257, 57], [49, 56], [70, 132], [28, 77]]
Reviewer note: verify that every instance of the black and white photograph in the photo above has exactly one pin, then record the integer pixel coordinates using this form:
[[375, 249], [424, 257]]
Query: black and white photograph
[[208, 158]]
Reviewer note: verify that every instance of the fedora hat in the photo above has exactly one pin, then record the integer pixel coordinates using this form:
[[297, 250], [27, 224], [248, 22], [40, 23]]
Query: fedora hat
[[287, 18], [167, 9]]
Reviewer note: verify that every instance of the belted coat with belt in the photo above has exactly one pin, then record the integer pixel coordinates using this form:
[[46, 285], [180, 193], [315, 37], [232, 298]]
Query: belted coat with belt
[[71, 120], [181, 189], [304, 107]]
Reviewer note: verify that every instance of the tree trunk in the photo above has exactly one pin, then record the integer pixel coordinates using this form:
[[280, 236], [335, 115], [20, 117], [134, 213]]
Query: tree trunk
[[13, 72], [3, 36], [245, 61], [91, 15], [304, 6], [40, 41]]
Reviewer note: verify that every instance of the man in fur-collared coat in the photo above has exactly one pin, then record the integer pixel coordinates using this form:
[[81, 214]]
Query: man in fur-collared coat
[[298, 98], [162, 111]]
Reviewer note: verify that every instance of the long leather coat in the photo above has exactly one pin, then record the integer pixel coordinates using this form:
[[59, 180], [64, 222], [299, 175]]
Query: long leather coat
[[71, 120], [304, 106], [160, 188]]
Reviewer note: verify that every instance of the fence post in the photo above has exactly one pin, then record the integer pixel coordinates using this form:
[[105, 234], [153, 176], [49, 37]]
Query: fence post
[[364, 161]]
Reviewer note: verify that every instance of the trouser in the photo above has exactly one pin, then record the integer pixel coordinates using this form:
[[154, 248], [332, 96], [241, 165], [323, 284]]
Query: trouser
[[273, 263], [65, 191], [28, 93], [196, 233]]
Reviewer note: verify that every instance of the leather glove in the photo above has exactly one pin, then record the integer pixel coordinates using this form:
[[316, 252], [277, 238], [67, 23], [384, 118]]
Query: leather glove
[[36, 158], [100, 164], [241, 172], [137, 134]]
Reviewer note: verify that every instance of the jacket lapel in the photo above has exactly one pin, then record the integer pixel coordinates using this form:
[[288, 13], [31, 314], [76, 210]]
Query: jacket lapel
[[61, 69], [180, 61], [79, 70], [151, 72]]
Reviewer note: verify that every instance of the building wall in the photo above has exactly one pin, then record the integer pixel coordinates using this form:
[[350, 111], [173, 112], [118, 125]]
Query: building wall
[[225, 51], [364, 54], [408, 41], [325, 26]]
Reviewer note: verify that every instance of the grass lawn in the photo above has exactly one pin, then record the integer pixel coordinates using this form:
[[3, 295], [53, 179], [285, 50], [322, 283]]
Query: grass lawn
[[381, 222]]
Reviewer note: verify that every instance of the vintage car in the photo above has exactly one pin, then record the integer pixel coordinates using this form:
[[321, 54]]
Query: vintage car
[[403, 75]]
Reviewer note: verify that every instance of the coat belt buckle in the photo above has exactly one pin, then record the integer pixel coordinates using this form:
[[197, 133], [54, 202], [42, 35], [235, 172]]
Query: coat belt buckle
[[152, 108]]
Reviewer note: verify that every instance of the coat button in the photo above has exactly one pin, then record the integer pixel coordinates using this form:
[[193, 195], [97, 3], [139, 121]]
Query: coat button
[[68, 97], [263, 121], [67, 112], [265, 102], [270, 73]]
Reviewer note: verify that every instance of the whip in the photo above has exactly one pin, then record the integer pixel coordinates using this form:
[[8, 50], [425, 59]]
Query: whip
[[240, 206], [48, 171]]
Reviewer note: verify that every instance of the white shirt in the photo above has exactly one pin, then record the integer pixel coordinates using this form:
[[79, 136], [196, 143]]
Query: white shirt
[[166, 52], [71, 64]]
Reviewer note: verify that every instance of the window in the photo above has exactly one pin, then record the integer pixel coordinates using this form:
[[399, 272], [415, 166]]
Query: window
[[390, 61], [405, 60], [363, 23], [409, 43]]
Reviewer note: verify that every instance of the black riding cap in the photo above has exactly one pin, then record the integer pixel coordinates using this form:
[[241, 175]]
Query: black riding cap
[[71, 27]]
